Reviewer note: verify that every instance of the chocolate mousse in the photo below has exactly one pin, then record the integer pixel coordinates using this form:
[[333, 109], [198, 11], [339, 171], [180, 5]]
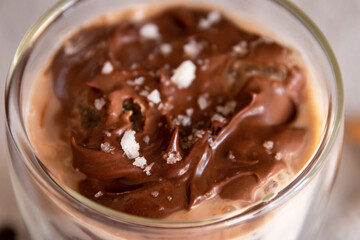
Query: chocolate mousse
[[169, 112]]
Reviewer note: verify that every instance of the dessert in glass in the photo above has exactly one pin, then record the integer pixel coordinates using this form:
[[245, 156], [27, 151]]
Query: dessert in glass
[[169, 120]]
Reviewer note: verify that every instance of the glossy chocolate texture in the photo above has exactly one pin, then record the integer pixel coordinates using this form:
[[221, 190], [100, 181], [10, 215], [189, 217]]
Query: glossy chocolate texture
[[228, 132]]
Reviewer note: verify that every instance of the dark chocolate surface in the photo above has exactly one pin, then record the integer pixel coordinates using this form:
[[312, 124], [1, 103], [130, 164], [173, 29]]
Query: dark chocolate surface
[[253, 91]]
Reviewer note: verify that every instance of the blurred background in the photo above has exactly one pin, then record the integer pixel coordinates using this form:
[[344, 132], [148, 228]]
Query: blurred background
[[339, 21]]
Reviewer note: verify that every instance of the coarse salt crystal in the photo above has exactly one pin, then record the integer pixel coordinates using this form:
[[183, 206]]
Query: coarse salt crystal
[[107, 68], [182, 120], [202, 101], [227, 109], [165, 49], [172, 157], [129, 144], [199, 133], [140, 162], [211, 142], [231, 155], [98, 194], [99, 103], [199, 61], [154, 96], [136, 82], [134, 66], [280, 90], [192, 48], [154, 194], [204, 67], [241, 48], [278, 156], [189, 111], [268, 145], [184, 75], [148, 169], [119, 132], [212, 18], [187, 142], [106, 147], [150, 31], [146, 139], [204, 23], [218, 117], [107, 133], [144, 93]]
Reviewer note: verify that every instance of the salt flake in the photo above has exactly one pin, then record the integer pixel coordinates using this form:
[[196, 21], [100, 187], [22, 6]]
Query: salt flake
[[148, 169], [278, 156], [154, 194], [165, 49], [212, 18], [99, 103], [98, 194], [129, 144], [268, 145], [218, 117], [192, 48], [184, 75], [140, 162], [154, 96], [189, 111], [136, 82], [146, 139], [202, 101], [182, 120], [150, 31], [106, 147], [107, 68], [172, 157], [227, 109]]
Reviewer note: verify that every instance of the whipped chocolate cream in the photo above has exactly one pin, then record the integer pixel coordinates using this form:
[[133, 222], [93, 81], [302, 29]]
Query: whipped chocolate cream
[[184, 106]]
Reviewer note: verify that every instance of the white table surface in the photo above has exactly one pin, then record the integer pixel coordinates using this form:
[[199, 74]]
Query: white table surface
[[340, 22]]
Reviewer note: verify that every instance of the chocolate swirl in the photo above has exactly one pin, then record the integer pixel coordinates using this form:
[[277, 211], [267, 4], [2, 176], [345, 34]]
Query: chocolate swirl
[[225, 134]]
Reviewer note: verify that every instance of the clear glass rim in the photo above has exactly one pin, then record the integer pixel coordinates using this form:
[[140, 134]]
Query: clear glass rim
[[333, 128]]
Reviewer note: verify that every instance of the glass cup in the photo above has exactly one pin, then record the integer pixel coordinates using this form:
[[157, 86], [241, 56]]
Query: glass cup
[[54, 211]]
